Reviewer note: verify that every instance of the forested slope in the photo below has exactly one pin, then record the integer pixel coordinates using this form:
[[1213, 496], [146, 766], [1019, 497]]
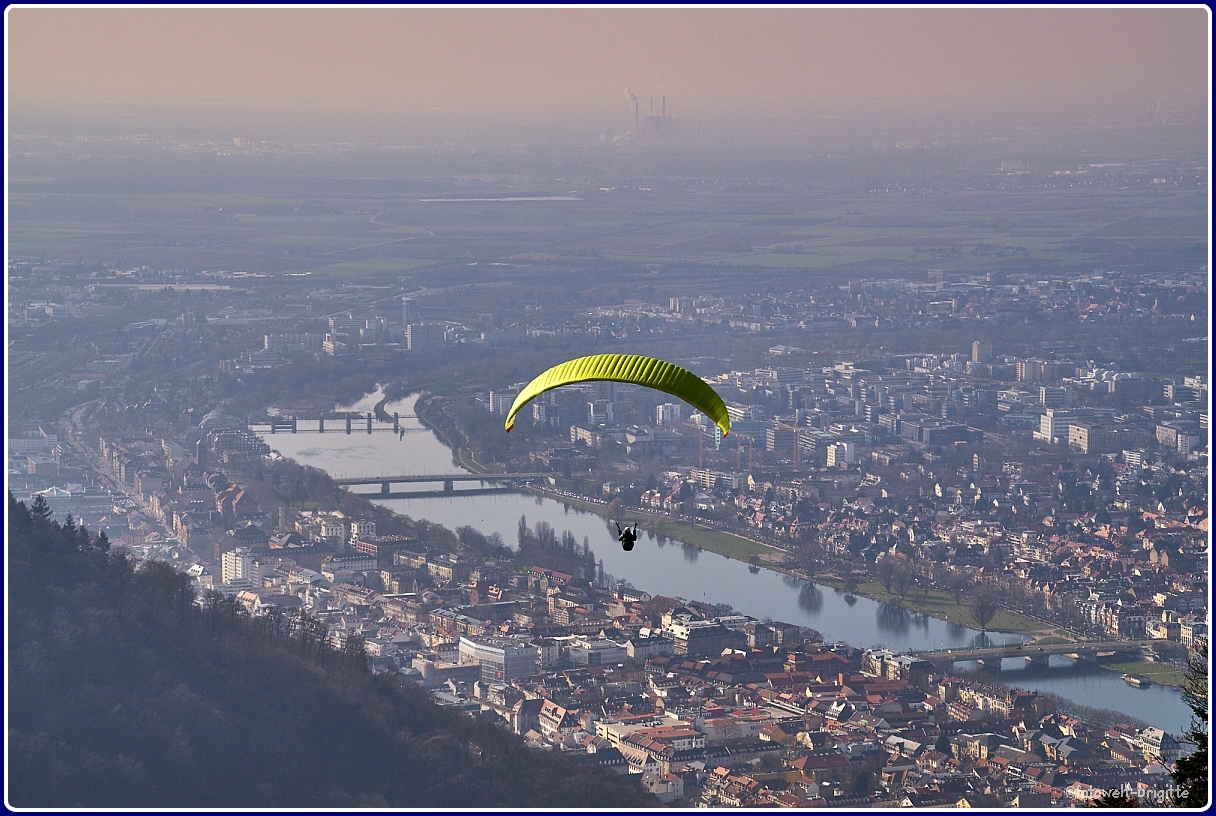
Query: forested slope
[[123, 693]]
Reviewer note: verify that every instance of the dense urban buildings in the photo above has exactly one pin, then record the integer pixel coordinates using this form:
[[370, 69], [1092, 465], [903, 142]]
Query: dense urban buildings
[[931, 408]]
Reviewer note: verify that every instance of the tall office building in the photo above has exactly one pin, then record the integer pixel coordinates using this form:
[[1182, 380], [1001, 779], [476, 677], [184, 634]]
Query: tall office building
[[424, 336], [1053, 397], [409, 312], [347, 324]]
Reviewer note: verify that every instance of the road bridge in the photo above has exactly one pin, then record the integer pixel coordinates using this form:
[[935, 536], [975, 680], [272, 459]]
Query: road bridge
[[448, 480], [1081, 650]]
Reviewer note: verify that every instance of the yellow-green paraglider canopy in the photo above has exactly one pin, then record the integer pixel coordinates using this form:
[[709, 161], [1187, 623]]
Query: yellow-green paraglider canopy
[[628, 368]]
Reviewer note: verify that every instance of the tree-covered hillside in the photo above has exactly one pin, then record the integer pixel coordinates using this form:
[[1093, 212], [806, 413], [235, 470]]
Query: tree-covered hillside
[[124, 693]]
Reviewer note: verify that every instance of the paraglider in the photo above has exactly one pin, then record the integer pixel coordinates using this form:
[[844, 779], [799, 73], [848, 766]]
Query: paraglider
[[627, 537], [628, 368], [637, 370]]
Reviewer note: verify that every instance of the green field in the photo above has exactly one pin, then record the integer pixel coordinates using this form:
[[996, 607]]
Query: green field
[[315, 214], [1156, 672], [939, 605]]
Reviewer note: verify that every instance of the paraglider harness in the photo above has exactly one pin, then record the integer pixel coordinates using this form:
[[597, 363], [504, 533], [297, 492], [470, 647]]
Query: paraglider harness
[[627, 537]]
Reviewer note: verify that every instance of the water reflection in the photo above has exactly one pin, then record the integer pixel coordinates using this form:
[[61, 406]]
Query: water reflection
[[892, 619], [810, 599], [850, 599], [1088, 684], [691, 552]]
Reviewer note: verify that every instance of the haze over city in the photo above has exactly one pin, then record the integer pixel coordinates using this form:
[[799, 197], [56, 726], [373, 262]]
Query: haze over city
[[916, 513]]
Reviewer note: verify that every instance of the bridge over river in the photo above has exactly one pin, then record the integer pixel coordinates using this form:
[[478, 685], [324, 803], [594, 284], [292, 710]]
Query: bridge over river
[[504, 482], [1082, 650], [344, 422]]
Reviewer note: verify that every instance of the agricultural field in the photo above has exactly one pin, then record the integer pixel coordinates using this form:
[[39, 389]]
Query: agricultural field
[[440, 217]]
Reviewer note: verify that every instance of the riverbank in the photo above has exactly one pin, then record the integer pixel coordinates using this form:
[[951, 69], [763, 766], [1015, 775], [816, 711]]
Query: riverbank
[[940, 605], [705, 538], [1159, 674], [935, 604], [461, 455]]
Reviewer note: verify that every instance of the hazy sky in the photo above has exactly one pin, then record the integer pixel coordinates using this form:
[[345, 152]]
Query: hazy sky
[[707, 61]]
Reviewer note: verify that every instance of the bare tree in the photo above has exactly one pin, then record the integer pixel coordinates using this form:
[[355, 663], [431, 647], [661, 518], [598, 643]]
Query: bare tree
[[903, 579], [983, 609], [807, 557], [1191, 772], [885, 571], [353, 658], [957, 583]]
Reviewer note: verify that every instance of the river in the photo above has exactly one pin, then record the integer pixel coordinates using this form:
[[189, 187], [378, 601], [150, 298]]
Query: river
[[680, 570]]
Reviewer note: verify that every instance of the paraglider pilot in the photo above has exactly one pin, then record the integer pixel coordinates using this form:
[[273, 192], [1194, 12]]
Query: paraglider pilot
[[627, 537]]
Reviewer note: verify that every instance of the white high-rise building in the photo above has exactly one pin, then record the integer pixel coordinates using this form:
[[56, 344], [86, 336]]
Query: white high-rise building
[[238, 563], [1053, 425], [841, 453], [668, 414]]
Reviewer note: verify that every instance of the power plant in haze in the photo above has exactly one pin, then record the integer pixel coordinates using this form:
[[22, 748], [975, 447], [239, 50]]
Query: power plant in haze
[[661, 125], [650, 127]]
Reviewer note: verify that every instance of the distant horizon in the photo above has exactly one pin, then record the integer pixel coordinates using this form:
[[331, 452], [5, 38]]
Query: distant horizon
[[537, 124], [561, 64]]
